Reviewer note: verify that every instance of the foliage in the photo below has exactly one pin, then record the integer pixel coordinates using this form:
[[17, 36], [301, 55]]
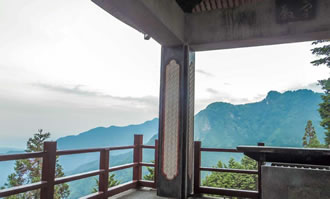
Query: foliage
[[310, 139], [323, 53], [111, 183], [29, 171], [233, 180], [151, 175]]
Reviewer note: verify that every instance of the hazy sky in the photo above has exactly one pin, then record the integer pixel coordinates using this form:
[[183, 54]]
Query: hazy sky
[[67, 66]]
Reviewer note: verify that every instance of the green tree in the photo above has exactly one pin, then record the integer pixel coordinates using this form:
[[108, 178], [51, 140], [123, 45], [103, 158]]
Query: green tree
[[111, 183], [323, 53], [310, 139], [233, 180], [151, 175], [29, 171]]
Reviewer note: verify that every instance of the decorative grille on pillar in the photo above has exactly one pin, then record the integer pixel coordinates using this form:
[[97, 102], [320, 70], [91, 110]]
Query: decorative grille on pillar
[[170, 150], [191, 111]]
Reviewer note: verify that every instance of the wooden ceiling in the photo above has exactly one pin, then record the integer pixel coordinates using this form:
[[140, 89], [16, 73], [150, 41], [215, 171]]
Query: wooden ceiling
[[195, 6]]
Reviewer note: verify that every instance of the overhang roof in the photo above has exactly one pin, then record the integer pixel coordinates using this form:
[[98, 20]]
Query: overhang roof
[[194, 6], [222, 24]]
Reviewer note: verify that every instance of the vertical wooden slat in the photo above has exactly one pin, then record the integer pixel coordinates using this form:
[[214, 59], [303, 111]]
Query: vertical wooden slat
[[156, 161], [48, 170], [137, 157], [197, 165], [104, 177]]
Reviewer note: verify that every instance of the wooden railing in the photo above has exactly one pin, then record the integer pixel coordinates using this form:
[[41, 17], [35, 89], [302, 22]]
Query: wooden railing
[[199, 189], [48, 180]]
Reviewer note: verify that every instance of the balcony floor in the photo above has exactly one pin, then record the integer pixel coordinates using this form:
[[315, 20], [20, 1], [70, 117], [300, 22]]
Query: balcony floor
[[147, 193]]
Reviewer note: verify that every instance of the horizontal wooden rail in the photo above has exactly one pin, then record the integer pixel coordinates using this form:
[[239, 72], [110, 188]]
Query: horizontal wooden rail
[[144, 164], [78, 151], [148, 147], [229, 192], [19, 156], [49, 156], [220, 150], [77, 176], [96, 195], [147, 183], [121, 188], [121, 167], [21, 189], [121, 148], [229, 170]]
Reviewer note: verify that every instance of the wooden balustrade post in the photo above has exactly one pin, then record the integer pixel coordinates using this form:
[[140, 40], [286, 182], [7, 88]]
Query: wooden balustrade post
[[48, 170], [197, 165], [104, 176], [260, 163], [137, 157], [156, 161]]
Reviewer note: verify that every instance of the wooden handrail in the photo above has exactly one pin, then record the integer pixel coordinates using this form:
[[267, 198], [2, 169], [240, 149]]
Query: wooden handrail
[[121, 148], [79, 151], [22, 188], [229, 170], [77, 176], [148, 147], [121, 167], [144, 164], [19, 156], [198, 189], [48, 170]]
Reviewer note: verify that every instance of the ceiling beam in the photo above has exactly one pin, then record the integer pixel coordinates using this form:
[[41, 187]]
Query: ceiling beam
[[255, 24], [162, 20]]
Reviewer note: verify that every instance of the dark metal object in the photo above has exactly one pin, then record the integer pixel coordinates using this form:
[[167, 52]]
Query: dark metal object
[[298, 183], [287, 155]]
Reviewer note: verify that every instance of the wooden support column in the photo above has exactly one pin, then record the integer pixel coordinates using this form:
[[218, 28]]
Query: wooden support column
[[104, 177], [48, 170], [137, 157], [176, 124]]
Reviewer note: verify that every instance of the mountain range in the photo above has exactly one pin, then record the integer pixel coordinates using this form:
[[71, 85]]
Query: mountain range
[[277, 120]]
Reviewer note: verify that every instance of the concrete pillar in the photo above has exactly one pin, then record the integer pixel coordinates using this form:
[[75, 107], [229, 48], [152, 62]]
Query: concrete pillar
[[176, 123]]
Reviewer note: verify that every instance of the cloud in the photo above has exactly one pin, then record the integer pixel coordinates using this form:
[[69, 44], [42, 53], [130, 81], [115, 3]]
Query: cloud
[[205, 73], [212, 91], [80, 91]]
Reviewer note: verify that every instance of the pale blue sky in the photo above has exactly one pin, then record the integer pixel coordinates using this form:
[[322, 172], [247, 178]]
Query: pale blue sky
[[67, 66]]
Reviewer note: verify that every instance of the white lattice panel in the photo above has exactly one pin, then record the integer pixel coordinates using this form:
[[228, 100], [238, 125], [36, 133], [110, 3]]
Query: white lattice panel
[[171, 120], [191, 110]]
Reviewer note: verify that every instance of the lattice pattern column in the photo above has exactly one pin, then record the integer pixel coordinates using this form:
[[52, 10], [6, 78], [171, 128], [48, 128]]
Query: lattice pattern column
[[176, 124]]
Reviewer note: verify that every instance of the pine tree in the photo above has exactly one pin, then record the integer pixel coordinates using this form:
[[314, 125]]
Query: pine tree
[[111, 183], [310, 139], [323, 53], [151, 175], [29, 171], [233, 180]]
